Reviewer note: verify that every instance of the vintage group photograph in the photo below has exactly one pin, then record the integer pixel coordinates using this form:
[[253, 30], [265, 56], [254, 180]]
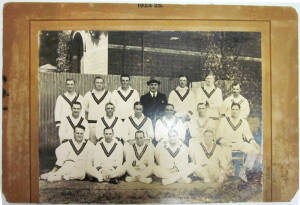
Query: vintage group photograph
[[150, 116]]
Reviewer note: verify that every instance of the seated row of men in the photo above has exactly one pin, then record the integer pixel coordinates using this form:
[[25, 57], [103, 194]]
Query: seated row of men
[[232, 133], [108, 160]]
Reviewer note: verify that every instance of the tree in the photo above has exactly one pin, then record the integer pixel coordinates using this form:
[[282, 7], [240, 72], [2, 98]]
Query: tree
[[63, 51]]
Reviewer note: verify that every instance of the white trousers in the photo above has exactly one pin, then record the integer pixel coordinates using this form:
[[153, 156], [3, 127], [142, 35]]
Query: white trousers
[[70, 170], [165, 173], [146, 172], [249, 149], [209, 172], [107, 171]]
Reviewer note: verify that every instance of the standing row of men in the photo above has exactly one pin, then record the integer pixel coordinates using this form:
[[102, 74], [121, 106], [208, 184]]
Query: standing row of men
[[162, 121], [182, 98]]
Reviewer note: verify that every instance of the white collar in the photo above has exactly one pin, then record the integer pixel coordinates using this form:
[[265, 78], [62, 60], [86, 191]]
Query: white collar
[[74, 119], [78, 145], [235, 121], [201, 118], [141, 118], [69, 95], [109, 144], [240, 97], [206, 147], [112, 118], [96, 92], [140, 147], [178, 145], [181, 89], [209, 88], [155, 94], [128, 90]]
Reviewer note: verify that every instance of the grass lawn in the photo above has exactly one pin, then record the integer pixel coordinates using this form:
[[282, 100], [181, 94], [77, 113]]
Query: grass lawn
[[232, 190]]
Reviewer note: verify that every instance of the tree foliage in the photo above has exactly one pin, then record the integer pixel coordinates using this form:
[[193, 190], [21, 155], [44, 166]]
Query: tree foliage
[[63, 59], [223, 58]]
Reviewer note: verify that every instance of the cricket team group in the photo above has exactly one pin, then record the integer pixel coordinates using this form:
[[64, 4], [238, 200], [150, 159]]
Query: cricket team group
[[115, 136]]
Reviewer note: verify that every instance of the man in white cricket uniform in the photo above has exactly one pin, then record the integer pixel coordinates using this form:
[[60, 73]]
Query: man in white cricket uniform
[[124, 98], [109, 120], [74, 158], [172, 159], [200, 122], [234, 133], [169, 122], [108, 158], [236, 97], [208, 158], [94, 105], [64, 103], [212, 95], [139, 159], [68, 124], [183, 99], [138, 121]]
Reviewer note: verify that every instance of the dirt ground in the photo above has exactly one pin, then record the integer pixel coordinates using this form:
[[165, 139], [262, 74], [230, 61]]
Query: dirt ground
[[232, 190]]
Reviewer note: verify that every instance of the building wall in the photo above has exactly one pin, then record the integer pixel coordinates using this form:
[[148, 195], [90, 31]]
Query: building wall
[[95, 56], [156, 54]]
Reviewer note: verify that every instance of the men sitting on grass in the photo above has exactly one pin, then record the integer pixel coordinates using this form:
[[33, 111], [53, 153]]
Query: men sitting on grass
[[139, 159], [208, 158], [108, 158], [172, 158], [73, 158]]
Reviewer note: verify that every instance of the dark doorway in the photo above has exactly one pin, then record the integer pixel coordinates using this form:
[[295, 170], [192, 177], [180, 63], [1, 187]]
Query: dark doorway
[[76, 53]]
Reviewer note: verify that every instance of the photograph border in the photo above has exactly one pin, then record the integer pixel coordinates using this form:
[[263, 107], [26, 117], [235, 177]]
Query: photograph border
[[181, 18]]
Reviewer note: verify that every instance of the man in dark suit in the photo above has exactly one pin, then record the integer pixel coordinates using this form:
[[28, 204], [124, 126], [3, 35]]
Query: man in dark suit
[[154, 102]]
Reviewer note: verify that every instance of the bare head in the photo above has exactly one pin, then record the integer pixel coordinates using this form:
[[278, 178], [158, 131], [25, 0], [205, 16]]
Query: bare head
[[210, 79], [99, 83], [140, 138], [235, 110], [125, 81], [109, 109], [202, 109], [208, 137], [76, 109], [70, 85], [108, 134], [183, 80], [79, 133], [169, 111], [236, 89], [138, 109], [173, 137]]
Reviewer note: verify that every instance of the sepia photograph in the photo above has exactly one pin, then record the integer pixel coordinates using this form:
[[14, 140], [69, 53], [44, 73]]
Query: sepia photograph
[[150, 116]]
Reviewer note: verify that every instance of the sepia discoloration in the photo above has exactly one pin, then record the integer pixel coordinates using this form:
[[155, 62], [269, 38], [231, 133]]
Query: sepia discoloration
[[284, 64]]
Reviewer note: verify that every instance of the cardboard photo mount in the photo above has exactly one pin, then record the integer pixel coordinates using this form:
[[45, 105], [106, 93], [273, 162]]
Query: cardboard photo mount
[[22, 21]]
